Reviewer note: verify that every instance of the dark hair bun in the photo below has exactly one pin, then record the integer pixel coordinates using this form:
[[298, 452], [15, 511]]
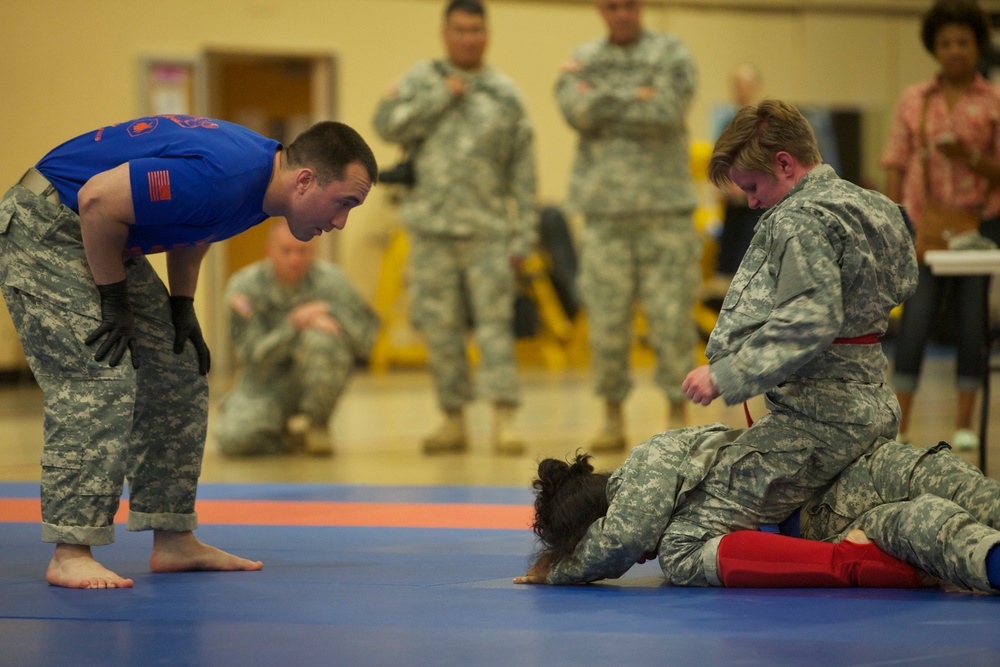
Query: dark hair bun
[[553, 473], [569, 496], [581, 465]]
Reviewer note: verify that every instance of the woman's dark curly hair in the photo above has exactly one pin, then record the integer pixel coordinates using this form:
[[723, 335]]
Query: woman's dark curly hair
[[961, 12], [568, 498]]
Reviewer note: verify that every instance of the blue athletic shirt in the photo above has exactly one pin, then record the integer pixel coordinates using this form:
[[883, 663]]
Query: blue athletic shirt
[[194, 180]]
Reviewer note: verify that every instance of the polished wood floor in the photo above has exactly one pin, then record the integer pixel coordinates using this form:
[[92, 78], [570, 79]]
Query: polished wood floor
[[382, 418]]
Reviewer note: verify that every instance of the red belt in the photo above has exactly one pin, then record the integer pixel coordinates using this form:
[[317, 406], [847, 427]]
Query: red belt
[[866, 339]]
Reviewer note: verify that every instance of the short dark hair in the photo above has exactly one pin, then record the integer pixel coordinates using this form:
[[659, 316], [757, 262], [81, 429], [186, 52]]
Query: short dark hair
[[950, 12], [569, 497], [467, 6], [328, 147]]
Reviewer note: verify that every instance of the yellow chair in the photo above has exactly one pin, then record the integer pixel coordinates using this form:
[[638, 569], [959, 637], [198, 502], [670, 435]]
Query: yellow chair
[[398, 344]]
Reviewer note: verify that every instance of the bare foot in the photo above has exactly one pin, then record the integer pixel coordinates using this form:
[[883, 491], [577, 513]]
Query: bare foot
[[182, 552], [857, 536], [73, 566]]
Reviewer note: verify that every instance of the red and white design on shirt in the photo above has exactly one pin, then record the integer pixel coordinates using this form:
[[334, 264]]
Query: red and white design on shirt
[[159, 185]]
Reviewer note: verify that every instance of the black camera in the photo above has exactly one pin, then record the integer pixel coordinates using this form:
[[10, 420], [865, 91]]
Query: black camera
[[403, 174]]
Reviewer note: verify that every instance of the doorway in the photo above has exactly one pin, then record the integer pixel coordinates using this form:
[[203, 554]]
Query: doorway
[[277, 95]]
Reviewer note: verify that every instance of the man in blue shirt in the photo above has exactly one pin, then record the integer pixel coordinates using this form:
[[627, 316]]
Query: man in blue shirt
[[74, 233]]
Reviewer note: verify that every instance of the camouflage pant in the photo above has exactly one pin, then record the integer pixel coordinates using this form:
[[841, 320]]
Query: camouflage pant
[[252, 417], [652, 259], [101, 424], [925, 506], [764, 475], [448, 278]]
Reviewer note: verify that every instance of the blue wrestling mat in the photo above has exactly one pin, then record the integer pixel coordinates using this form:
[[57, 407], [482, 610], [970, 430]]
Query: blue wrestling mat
[[360, 595]]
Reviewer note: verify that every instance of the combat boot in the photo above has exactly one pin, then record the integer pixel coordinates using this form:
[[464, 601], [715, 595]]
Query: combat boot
[[450, 436], [506, 437], [611, 437], [295, 433], [318, 441]]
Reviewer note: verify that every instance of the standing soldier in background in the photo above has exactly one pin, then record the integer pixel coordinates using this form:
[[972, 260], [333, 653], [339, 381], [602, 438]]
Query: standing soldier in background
[[465, 128], [627, 95], [298, 327]]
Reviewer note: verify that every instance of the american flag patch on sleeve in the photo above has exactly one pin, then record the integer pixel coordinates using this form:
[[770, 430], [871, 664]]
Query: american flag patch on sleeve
[[159, 185]]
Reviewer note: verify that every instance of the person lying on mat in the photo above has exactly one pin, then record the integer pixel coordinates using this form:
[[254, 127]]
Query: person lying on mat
[[920, 508]]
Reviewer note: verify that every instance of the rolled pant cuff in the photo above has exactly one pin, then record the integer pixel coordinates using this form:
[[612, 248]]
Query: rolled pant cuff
[[177, 523], [982, 581], [710, 561], [86, 535]]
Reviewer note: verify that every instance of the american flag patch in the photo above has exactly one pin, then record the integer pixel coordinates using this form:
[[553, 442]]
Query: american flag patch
[[159, 185]]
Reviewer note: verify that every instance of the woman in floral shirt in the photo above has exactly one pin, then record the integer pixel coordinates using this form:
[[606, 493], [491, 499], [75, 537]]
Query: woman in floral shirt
[[958, 111]]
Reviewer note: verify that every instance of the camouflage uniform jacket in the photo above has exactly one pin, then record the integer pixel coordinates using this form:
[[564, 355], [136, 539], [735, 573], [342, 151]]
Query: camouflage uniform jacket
[[829, 260], [925, 506], [472, 155], [268, 337], [632, 155], [643, 494]]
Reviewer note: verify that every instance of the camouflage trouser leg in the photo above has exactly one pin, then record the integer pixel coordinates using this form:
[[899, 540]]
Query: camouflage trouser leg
[[935, 535], [171, 414], [761, 478], [926, 506], [438, 303], [251, 419], [322, 364], [669, 268], [896, 472], [940, 473], [449, 276], [608, 290], [653, 259], [491, 293], [97, 418]]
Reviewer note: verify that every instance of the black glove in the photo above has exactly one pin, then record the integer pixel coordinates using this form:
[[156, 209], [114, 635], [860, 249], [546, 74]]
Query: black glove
[[186, 326], [118, 323]]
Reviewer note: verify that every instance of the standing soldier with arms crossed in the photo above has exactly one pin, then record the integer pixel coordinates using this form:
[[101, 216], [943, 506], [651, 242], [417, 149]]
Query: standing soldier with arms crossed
[[628, 95], [465, 126]]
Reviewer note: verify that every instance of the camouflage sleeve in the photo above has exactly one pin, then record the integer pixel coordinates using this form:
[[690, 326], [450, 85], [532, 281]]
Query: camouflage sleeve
[[590, 103], [580, 103], [805, 313], [673, 84], [640, 510], [523, 190], [255, 339], [407, 115]]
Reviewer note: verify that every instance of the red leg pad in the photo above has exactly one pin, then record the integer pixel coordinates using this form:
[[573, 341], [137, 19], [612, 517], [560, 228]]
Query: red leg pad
[[752, 559]]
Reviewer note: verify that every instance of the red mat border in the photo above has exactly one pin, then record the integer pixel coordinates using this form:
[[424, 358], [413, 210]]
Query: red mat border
[[294, 513]]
